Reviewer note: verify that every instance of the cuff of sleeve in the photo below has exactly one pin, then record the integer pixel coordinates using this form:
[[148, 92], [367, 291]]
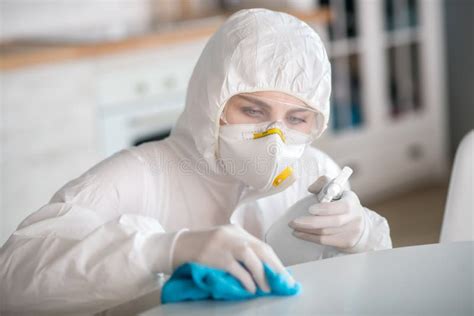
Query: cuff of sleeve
[[162, 247], [361, 245], [172, 248]]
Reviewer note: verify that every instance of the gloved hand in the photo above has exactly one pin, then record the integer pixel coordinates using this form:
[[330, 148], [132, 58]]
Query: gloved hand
[[341, 223], [224, 247]]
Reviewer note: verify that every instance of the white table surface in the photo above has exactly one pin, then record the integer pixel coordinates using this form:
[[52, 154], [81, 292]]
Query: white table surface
[[422, 280]]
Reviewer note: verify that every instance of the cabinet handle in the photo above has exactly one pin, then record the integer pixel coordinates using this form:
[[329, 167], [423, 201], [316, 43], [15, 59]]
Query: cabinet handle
[[141, 88], [415, 152], [170, 83]]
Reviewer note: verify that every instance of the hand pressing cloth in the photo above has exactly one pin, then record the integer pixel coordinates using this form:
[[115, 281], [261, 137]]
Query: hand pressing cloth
[[194, 281]]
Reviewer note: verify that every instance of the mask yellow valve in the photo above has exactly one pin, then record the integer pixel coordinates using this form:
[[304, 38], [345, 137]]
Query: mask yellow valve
[[282, 176]]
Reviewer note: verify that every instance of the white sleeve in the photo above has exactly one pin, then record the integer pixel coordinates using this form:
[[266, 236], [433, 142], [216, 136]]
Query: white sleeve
[[89, 248]]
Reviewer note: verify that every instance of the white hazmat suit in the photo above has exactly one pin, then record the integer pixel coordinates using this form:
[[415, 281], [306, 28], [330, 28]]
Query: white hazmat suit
[[103, 237]]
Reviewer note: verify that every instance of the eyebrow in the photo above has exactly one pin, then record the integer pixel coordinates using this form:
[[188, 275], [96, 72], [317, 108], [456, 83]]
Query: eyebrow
[[301, 110], [256, 101], [266, 106]]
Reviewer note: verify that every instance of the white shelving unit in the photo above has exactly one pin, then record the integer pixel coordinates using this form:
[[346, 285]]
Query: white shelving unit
[[388, 122]]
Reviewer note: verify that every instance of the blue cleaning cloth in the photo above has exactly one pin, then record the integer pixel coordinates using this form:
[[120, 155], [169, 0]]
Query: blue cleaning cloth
[[194, 281]]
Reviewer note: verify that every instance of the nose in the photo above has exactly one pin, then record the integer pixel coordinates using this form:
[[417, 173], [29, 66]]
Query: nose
[[270, 131]]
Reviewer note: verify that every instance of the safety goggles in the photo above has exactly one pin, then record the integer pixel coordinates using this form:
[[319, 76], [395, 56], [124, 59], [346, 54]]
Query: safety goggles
[[247, 108]]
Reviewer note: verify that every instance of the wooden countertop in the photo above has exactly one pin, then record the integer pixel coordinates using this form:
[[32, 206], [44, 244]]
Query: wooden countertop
[[19, 54]]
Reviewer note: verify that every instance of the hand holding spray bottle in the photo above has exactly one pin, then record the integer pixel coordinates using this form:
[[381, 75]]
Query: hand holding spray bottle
[[334, 188], [292, 250]]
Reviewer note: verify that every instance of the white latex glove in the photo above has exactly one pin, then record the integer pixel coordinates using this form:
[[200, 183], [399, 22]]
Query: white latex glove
[[340, 223], [224, 247]]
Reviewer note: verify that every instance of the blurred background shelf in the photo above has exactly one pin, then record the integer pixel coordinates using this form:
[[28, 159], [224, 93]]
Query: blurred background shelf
[[388, 101], [44, 49]]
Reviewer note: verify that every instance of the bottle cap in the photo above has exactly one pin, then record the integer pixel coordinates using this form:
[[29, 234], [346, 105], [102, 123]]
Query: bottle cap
[[342, 178]]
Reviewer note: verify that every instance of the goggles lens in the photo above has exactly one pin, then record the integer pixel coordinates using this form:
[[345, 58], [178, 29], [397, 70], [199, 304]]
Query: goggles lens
[[247, 108]]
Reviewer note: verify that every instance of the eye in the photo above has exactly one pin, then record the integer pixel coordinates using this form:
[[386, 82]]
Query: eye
[[252, 111], [296, 120]]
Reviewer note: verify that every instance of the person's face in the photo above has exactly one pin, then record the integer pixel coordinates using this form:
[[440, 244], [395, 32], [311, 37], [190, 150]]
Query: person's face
[[269, 106]]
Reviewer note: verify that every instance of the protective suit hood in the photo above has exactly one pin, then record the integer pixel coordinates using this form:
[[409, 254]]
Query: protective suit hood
[[254, 50]]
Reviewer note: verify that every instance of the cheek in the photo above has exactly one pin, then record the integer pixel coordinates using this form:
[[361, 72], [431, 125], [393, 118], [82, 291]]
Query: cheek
[[310, 125], [308, 128], [235, 116], [304, 129]]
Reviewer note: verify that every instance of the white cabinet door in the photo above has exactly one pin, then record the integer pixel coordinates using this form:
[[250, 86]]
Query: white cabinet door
[[48, 135]]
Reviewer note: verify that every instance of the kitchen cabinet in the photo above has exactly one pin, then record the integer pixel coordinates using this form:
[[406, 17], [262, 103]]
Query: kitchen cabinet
[[60, 119], [48, 135]]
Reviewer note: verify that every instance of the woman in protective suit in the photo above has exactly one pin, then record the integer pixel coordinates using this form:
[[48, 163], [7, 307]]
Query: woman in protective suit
[[238, 158]]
